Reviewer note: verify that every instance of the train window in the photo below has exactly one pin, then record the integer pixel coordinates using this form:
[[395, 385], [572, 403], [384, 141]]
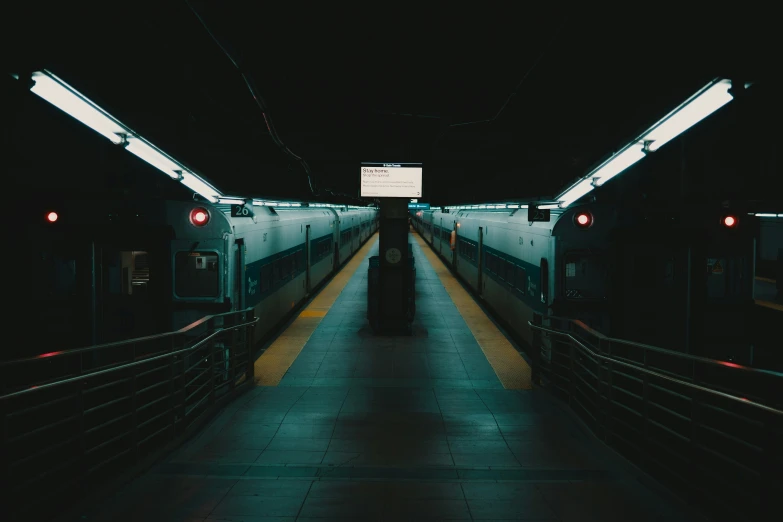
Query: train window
[[510, 273], [300, 260], [196, 274], [278, 268], [585, 276], [520, 281], [544, 280], [140, 278], [288, 265], [266, 277]]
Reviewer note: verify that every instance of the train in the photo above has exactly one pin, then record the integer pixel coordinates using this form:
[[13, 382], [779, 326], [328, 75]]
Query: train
[[103, 271], [678, 278]]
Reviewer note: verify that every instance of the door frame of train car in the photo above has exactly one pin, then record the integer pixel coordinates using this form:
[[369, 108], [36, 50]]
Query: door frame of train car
[[479, 262], [308, 284], [453, 246], [239, 279], [440, 239], [354, 237]]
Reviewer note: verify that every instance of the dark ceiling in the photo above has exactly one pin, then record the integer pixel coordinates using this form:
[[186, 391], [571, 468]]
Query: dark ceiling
[[551, 90]]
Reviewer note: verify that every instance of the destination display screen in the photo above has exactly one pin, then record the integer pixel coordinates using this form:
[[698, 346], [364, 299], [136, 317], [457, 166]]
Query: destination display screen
[[391, 180]]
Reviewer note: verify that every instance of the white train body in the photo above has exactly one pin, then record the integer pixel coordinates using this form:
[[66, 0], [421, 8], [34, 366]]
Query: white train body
[[160, 265], [624, 274]]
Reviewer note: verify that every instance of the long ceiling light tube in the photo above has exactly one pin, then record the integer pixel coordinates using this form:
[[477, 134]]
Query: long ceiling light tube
[[54, 90], [706, 101]]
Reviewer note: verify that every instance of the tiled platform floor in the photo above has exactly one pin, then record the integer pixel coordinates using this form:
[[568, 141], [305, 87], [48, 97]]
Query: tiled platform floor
[[415, 428]]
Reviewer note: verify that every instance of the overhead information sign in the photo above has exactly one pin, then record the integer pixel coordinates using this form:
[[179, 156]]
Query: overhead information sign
[[391, 180]]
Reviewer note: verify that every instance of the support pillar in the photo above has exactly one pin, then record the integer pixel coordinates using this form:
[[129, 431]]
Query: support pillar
[[392, 273]]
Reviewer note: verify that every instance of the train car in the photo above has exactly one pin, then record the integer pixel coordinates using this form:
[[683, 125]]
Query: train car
[[680, 279], [102, 271]]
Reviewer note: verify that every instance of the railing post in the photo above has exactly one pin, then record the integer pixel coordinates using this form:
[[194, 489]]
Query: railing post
[[606, 391], [535, 371], [249, 337], [181, 391], [134, 406], [770, 473], [571, 371], [212, 347], [173, 385], [695, 452], [645, 446], [82, 440], [5, 456]]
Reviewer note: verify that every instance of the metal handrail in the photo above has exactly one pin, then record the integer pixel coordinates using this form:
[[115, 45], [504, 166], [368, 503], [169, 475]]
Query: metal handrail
[[664, 351], [114, 344], [131, 364], [663, 376]]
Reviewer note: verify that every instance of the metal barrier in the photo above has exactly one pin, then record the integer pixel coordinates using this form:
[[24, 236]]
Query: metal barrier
[[73, 420], [712, 431]]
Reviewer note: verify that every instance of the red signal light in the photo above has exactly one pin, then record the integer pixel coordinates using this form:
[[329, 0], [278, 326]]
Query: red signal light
[[730, 221], [51, 217], [583, 220], [199, 216]]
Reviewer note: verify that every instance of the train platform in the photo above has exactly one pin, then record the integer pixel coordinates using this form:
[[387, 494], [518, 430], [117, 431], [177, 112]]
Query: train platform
[[343, 425]]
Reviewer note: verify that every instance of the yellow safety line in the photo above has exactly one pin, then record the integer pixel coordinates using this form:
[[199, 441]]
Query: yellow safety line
[[512, 370], [274, 362], [770, 304], [766, 279]]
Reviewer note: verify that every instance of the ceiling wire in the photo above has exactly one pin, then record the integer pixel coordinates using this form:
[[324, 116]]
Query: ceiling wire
[[264, 110], [530, 69]]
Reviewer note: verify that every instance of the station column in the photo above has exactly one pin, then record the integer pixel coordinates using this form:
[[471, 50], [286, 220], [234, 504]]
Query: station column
[[392, 272]]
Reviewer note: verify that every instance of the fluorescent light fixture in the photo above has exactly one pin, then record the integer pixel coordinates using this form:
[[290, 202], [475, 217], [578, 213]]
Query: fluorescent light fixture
[[231, 201], [617, 163], [581, 188], [766, 215], [708, 100], [200, 186], [549, 206], [64, 97], [780, 215], [150, 154], [695, 109]]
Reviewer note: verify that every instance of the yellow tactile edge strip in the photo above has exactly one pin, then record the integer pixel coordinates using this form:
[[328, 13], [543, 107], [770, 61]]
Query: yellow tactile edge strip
[[270, 368], [512, 370]]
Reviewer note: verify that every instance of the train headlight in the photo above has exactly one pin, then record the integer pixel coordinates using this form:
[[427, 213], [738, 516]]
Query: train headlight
[[199, 216], [729, 221], [51, 217], [583, 220]]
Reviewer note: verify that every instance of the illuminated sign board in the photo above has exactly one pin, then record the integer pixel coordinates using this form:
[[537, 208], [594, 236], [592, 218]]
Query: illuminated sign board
[[391, 180]]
